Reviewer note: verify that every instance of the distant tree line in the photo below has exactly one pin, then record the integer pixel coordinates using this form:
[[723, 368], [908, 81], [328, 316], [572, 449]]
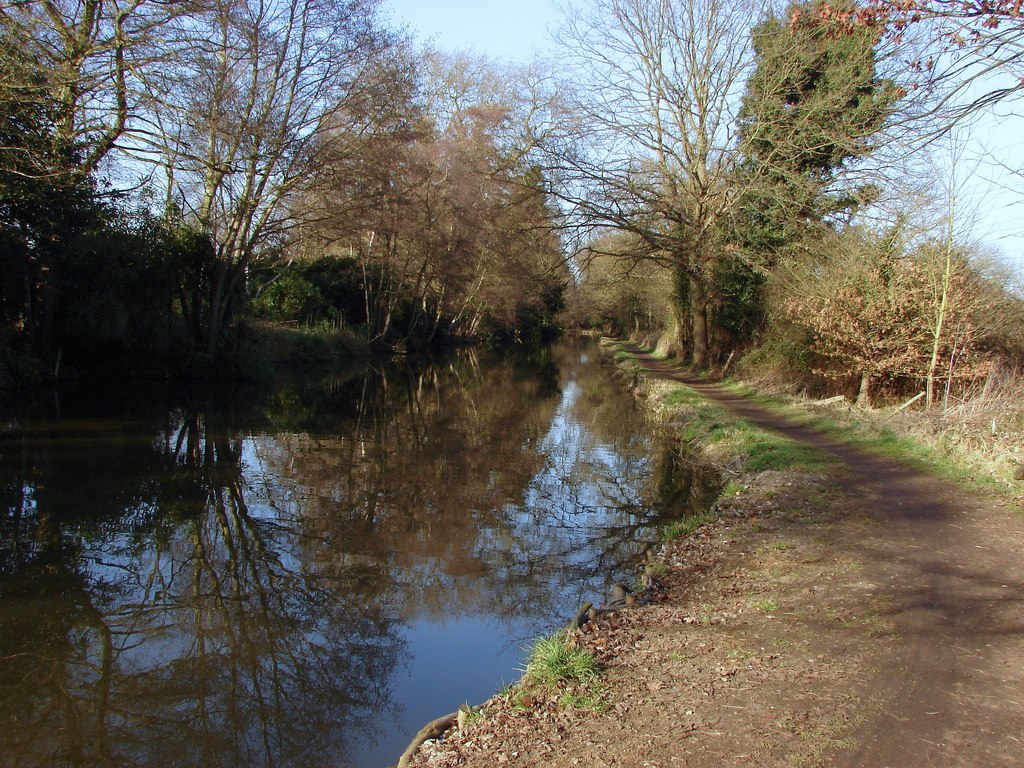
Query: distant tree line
[[179, 181]]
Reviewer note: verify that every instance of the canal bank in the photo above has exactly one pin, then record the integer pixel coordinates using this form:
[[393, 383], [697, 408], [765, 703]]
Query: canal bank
[[829, 614]]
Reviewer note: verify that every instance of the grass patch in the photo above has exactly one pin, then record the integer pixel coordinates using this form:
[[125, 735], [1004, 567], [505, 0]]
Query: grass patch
[[765, 605], [657, 568], [725, 440], [554, 664], [473, 714], [654, 570], [686, 526], [680, 395], [591, 700], [977, 442], [824, 740], [307, 347], [910, 439], [552, 661], [732, 488]]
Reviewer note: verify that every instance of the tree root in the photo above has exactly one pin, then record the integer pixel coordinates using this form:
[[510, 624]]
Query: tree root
[[431, 730]]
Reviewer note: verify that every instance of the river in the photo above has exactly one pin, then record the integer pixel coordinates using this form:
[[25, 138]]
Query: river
[[304, 574]]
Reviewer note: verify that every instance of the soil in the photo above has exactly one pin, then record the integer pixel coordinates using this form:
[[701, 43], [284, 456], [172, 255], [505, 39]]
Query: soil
[[871, 617]]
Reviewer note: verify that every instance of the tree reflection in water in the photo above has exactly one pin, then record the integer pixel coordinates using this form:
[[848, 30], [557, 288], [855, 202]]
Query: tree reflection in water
[[182, 631], [195, 586]]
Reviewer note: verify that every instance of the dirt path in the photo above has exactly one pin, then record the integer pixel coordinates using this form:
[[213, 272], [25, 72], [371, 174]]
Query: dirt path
[[953, 563], [871, 618]]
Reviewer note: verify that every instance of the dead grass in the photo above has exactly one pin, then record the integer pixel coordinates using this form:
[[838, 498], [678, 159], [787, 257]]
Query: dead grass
[[978, 436], [984, 428]]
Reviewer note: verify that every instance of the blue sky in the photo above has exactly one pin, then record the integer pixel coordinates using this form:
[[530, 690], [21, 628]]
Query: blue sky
[[505, 29]]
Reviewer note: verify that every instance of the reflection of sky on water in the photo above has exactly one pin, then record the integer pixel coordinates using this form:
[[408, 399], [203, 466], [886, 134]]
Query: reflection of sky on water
[[462, 660], [584, 475], [472, 654], [249, 594]]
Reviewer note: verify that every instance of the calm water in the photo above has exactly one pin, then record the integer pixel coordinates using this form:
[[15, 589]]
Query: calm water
[[306, 577]]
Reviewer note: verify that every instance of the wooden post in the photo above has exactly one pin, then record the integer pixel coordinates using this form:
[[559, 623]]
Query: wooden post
[[906, 405]]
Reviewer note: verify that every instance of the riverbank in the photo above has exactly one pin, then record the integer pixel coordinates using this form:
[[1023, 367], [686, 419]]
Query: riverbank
[[841, 609]]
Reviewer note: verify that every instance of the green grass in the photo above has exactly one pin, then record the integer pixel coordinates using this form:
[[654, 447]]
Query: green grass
[[779, 454], [869, 432], [731, 489], [554, 664], [766, 605], [591, 700], [686, 526], [728, 440], [473, 714], [552, 661], [724, 439], [682, 396], [657, 568]]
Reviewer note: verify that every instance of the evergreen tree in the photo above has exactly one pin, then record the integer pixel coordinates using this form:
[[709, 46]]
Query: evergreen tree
[[45, 206], [812, 107]]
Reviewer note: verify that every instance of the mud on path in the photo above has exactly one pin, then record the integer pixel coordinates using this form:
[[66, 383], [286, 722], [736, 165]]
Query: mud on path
[[874, 617]]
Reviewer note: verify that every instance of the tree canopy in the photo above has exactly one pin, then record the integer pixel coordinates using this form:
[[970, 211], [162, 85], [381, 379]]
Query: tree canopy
[[178, 178]]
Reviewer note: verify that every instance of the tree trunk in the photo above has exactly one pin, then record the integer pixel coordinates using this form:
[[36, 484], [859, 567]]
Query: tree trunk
[[216, 311], [681, 313], [864, 394], [699, 323], [940, 320]]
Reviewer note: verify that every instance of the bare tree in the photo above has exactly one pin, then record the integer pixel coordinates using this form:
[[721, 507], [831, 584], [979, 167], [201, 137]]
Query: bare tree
[[658, 89], [968, 53], [440, 208], [90, 60], [246, 108]]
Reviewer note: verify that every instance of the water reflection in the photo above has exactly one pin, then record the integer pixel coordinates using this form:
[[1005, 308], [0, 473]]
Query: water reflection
[[306, 576], [164, 620]]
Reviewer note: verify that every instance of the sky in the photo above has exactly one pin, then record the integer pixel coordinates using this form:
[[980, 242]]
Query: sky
[[993, 194], [515, 30], [503, 29]]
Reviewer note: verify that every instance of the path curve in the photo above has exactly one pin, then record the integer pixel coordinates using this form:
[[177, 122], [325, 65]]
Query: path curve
[[953, 561]]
